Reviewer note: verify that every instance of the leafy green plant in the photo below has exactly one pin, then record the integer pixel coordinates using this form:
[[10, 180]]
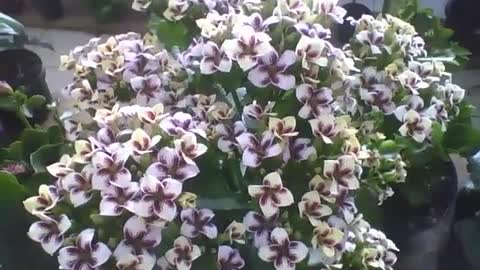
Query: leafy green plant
[[109, 10]]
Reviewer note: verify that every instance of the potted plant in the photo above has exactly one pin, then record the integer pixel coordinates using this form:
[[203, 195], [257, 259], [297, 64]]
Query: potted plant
[[251, 142]]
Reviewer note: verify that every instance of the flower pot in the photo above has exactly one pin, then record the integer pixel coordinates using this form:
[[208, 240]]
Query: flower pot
[[422, 232], [50, 9], [23, 68], [346, 30]]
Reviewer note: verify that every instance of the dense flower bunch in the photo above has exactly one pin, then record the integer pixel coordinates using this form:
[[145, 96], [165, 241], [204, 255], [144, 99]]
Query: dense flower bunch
[[294, 126]]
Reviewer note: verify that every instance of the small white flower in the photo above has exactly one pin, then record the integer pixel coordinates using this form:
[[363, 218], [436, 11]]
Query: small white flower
[[141, 143], [255, 150], [116, 199], [157, 198], [182, 254], [283, 128], [329, 8], [139, 239], [327, 238], [261, 227], [342, 173], [50, 233], [416, 126], [229, 259], [412, 82], [312, 207], [315, 102], [214, 59], [46, 200], [282, 252], [196, 222], [79, 185], [247, 48], [272, 69], [110, 169], [85, 254], [324, 127], [171, 164], [189, 148], [271, 194]]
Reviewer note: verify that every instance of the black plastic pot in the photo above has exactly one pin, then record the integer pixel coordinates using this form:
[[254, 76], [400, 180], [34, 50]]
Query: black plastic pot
[[346, 30], [22, 68], [50, 9], [422, 233]]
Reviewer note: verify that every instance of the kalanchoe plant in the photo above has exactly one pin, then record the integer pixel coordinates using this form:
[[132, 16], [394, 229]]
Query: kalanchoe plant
[[249, 147]]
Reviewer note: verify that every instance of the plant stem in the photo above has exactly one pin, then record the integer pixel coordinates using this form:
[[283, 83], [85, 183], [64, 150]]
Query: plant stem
[[23, 119], [237, 101]]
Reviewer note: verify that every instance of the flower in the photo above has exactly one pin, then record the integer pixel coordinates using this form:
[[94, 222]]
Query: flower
[[312, 207], [214, 59], [196, 222], [247, 48], [414, 103], [189, 148], [313, 51], [254, 113], [271, 194], [46, 200], [327, 238], [271, 69], [110, 169], [261, 226], [380, 98], [255, 151], [171, 164], [179, 124], [329, 8], [133, 262], [148, 89], [158, 198], [315, 102], [412, 82], [298, 149], [324, 127], [182, 254], [85, 254], [341, 172], [374, 39], [84, 151], [283, 128], [282, 252], [50, 233], [229, 259], [152, 115], [116, 199], [141, 143], [79, 185], [236, 232], [415, 126], [62, 168], [255, 22], [139, 238], [313, 30]]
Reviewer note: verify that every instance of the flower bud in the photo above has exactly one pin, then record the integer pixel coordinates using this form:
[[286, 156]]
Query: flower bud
[[187, 200], [5, 88]]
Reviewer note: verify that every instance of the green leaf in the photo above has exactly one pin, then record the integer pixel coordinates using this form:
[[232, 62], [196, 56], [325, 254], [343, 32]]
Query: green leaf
[[11, 192], [36, 101], [437, 141], [32, 139], [170, 33], [15, 151], [8, 103], [46, 155], [55, 134], [33, 182]]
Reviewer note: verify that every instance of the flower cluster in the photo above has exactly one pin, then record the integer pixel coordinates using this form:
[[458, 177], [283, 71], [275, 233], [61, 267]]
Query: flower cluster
[[266, 90]]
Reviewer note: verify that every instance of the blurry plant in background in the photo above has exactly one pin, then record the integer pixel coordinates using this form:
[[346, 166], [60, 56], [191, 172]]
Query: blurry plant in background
[[109, 10]]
